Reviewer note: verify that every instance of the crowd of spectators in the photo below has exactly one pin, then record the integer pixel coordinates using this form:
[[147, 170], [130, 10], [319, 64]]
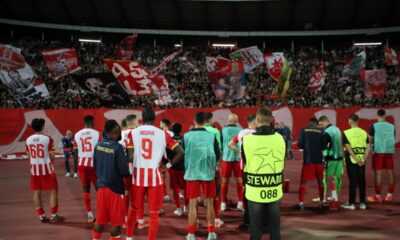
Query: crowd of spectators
[[189, 84]]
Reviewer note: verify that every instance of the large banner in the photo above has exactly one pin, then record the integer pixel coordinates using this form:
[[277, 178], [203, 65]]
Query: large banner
[[160, 88], [15, 123], [104, 86], [251, 57], [61, 61], [352, 68], [19, 77], [374, 82], [132, 76]]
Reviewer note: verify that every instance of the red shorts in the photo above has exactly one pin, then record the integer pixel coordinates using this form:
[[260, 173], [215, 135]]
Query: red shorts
[[87, 175], [193, 189], [382, 161], [176, 179], [46, 182], [128, 183], [110, 207], [228, 167], [154, 197], [312, 171]]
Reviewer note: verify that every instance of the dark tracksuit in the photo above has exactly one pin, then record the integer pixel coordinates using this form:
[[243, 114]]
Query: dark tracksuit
[[312, 141], [111, 165]]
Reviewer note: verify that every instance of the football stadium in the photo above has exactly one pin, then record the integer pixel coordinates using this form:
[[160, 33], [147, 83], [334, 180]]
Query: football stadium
[[199, 119]]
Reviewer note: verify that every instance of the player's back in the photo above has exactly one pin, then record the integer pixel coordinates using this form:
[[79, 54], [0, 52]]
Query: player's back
[[85, 141], [39, 147], [149, 143]]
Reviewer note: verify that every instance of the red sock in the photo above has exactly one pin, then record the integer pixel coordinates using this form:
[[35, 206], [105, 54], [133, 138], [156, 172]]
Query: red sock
[[239, 187], [96, 235], [378, 190], [217, 206], [54, 210], [86, 201], [302, 191], [320, 191], [192, 229], [115, 238], [126, 204], [175, 192], [39, 211], [224, 191], [140, 213], [153, 227], [130, 228], [211, 228], [390, 189]]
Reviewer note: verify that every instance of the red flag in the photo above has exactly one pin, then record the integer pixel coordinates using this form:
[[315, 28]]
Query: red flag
[[165, 61], [125, 47], [11, 58], [374, 82], [317, 79], [61, 61], [217, 66], [274, 64], [132, 76], [390, 56]]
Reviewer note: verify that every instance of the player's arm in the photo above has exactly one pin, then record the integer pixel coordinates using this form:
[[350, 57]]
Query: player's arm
[[371, 134], [300, 141], [75, 147], [129, 148], [350, 151], [367, 150], [216, 149], [233, 144], [27, 152], [176, 149], [52, 151], [122, 161]]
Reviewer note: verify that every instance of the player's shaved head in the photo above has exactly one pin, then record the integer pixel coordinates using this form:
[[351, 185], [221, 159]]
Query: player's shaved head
[[313, 121], [209, 117], [166, 122], [112, 128], [130, 119], [251, 118], [381, 113], [88, 120], [354, 118], [233, 119], [323, 119], [148, 115], [264, 116], [38, 124], [200, 118]]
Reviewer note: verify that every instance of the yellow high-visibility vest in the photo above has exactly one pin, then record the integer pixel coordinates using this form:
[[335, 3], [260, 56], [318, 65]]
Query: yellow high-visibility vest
[[265, 160], [357, 138]]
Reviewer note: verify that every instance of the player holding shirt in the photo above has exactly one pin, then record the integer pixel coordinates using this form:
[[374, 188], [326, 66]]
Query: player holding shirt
[[236, 144], [146, 147], [40, 151], [111, 167], [333, 157], [230, 162], [201, 155], [85, 141], [312, 141], [382, 135]]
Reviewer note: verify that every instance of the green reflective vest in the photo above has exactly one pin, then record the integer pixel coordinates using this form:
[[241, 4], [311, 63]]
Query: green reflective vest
[[265, 160], [334, 152], [384, 139], [200, 158], [228, 133], [357, 138]]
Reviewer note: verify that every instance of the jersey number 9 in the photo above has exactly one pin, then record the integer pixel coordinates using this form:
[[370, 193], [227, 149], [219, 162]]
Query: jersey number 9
[[147, 148]]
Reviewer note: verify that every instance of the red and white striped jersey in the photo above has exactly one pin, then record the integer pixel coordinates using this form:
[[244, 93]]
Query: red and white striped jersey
[[39, 147], [149, 144], [124, 136], [238, 139], [85, 141]]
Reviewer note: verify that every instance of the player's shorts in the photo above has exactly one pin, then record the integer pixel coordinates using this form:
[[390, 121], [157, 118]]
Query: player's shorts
[[176, 179], [110, 207], [334, 168], [228, 167], [128, 182], [312, 171], [193, 189], [154, 197], [87, 175], [382, 161], [45, 183]]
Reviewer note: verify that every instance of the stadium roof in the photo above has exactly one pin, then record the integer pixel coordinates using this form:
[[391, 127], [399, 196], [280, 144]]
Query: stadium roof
[[213, 15]]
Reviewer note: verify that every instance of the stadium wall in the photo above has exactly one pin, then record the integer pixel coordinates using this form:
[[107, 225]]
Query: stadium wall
[[15, 123]]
